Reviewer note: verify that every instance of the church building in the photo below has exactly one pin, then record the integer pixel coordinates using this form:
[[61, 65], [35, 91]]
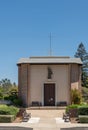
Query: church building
[[47, 81]]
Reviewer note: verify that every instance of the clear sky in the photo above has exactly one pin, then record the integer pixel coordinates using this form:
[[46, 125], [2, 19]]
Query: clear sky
[[25, 26]]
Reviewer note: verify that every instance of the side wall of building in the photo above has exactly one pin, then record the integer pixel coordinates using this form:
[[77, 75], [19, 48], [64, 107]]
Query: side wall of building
[[24, 83], [75, 76]]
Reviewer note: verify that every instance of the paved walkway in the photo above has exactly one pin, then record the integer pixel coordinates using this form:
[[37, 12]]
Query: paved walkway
[[43, 124], [44, 120], [38, 123], [49, 120]]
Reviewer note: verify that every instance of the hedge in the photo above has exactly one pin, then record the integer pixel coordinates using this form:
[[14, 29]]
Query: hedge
[[83, 110], [73, 106], [6, 118], [8, 110], [83, 118]]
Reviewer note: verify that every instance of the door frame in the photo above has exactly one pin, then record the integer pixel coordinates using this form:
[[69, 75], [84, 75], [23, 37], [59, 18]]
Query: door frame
[[55, 92]]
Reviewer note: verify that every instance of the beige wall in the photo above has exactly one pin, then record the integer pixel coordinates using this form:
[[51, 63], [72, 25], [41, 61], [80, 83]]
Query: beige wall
[[31, 79], [75, 76], [38, 76], [22, 82]]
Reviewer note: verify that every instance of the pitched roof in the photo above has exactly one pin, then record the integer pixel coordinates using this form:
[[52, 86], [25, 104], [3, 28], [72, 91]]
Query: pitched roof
[[49, 60]]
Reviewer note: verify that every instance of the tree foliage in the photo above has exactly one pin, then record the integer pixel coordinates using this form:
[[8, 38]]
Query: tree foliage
[[5, 84], [85, 94], [9, 91], [6, 87], [83, 55]]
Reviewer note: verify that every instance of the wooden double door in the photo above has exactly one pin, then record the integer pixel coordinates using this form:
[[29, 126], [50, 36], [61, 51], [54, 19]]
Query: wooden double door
[[49, 94]]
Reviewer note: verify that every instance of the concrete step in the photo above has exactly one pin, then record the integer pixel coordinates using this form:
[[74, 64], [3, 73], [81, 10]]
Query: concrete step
[[46, 113], [46, 108]]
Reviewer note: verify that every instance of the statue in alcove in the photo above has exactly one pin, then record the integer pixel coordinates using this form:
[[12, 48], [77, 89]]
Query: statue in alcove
[[49, 73]]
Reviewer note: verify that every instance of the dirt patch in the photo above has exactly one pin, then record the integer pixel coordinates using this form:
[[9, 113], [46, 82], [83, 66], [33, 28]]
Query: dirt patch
[[74, 120], [19, 116]]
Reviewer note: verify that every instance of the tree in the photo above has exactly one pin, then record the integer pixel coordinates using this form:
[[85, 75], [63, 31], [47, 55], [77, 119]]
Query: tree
[[5, 84], [14, 84], [83, 55]]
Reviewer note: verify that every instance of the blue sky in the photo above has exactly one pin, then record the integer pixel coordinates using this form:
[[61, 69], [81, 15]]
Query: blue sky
[[25, 26]]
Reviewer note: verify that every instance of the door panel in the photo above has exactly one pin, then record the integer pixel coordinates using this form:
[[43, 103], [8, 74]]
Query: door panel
[[49, 94]]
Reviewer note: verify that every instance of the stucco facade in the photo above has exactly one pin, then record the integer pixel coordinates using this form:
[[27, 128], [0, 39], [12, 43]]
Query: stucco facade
[[34, 84]]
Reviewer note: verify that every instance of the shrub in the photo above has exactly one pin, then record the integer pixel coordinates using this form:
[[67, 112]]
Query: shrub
[[73, 106], [72, 110], [17, 102], [1, 95], [13, 110], [13, 97], [83, 110], [85, 94], [8, 110], [6, 97], [6, 118], [83, 119], [76, 96]]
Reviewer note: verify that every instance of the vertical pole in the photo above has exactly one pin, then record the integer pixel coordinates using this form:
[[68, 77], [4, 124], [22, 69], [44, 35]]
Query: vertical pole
[[50, 46]]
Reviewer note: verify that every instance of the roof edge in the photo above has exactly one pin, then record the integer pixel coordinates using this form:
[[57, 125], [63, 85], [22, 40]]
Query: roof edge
[[49, 60]]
